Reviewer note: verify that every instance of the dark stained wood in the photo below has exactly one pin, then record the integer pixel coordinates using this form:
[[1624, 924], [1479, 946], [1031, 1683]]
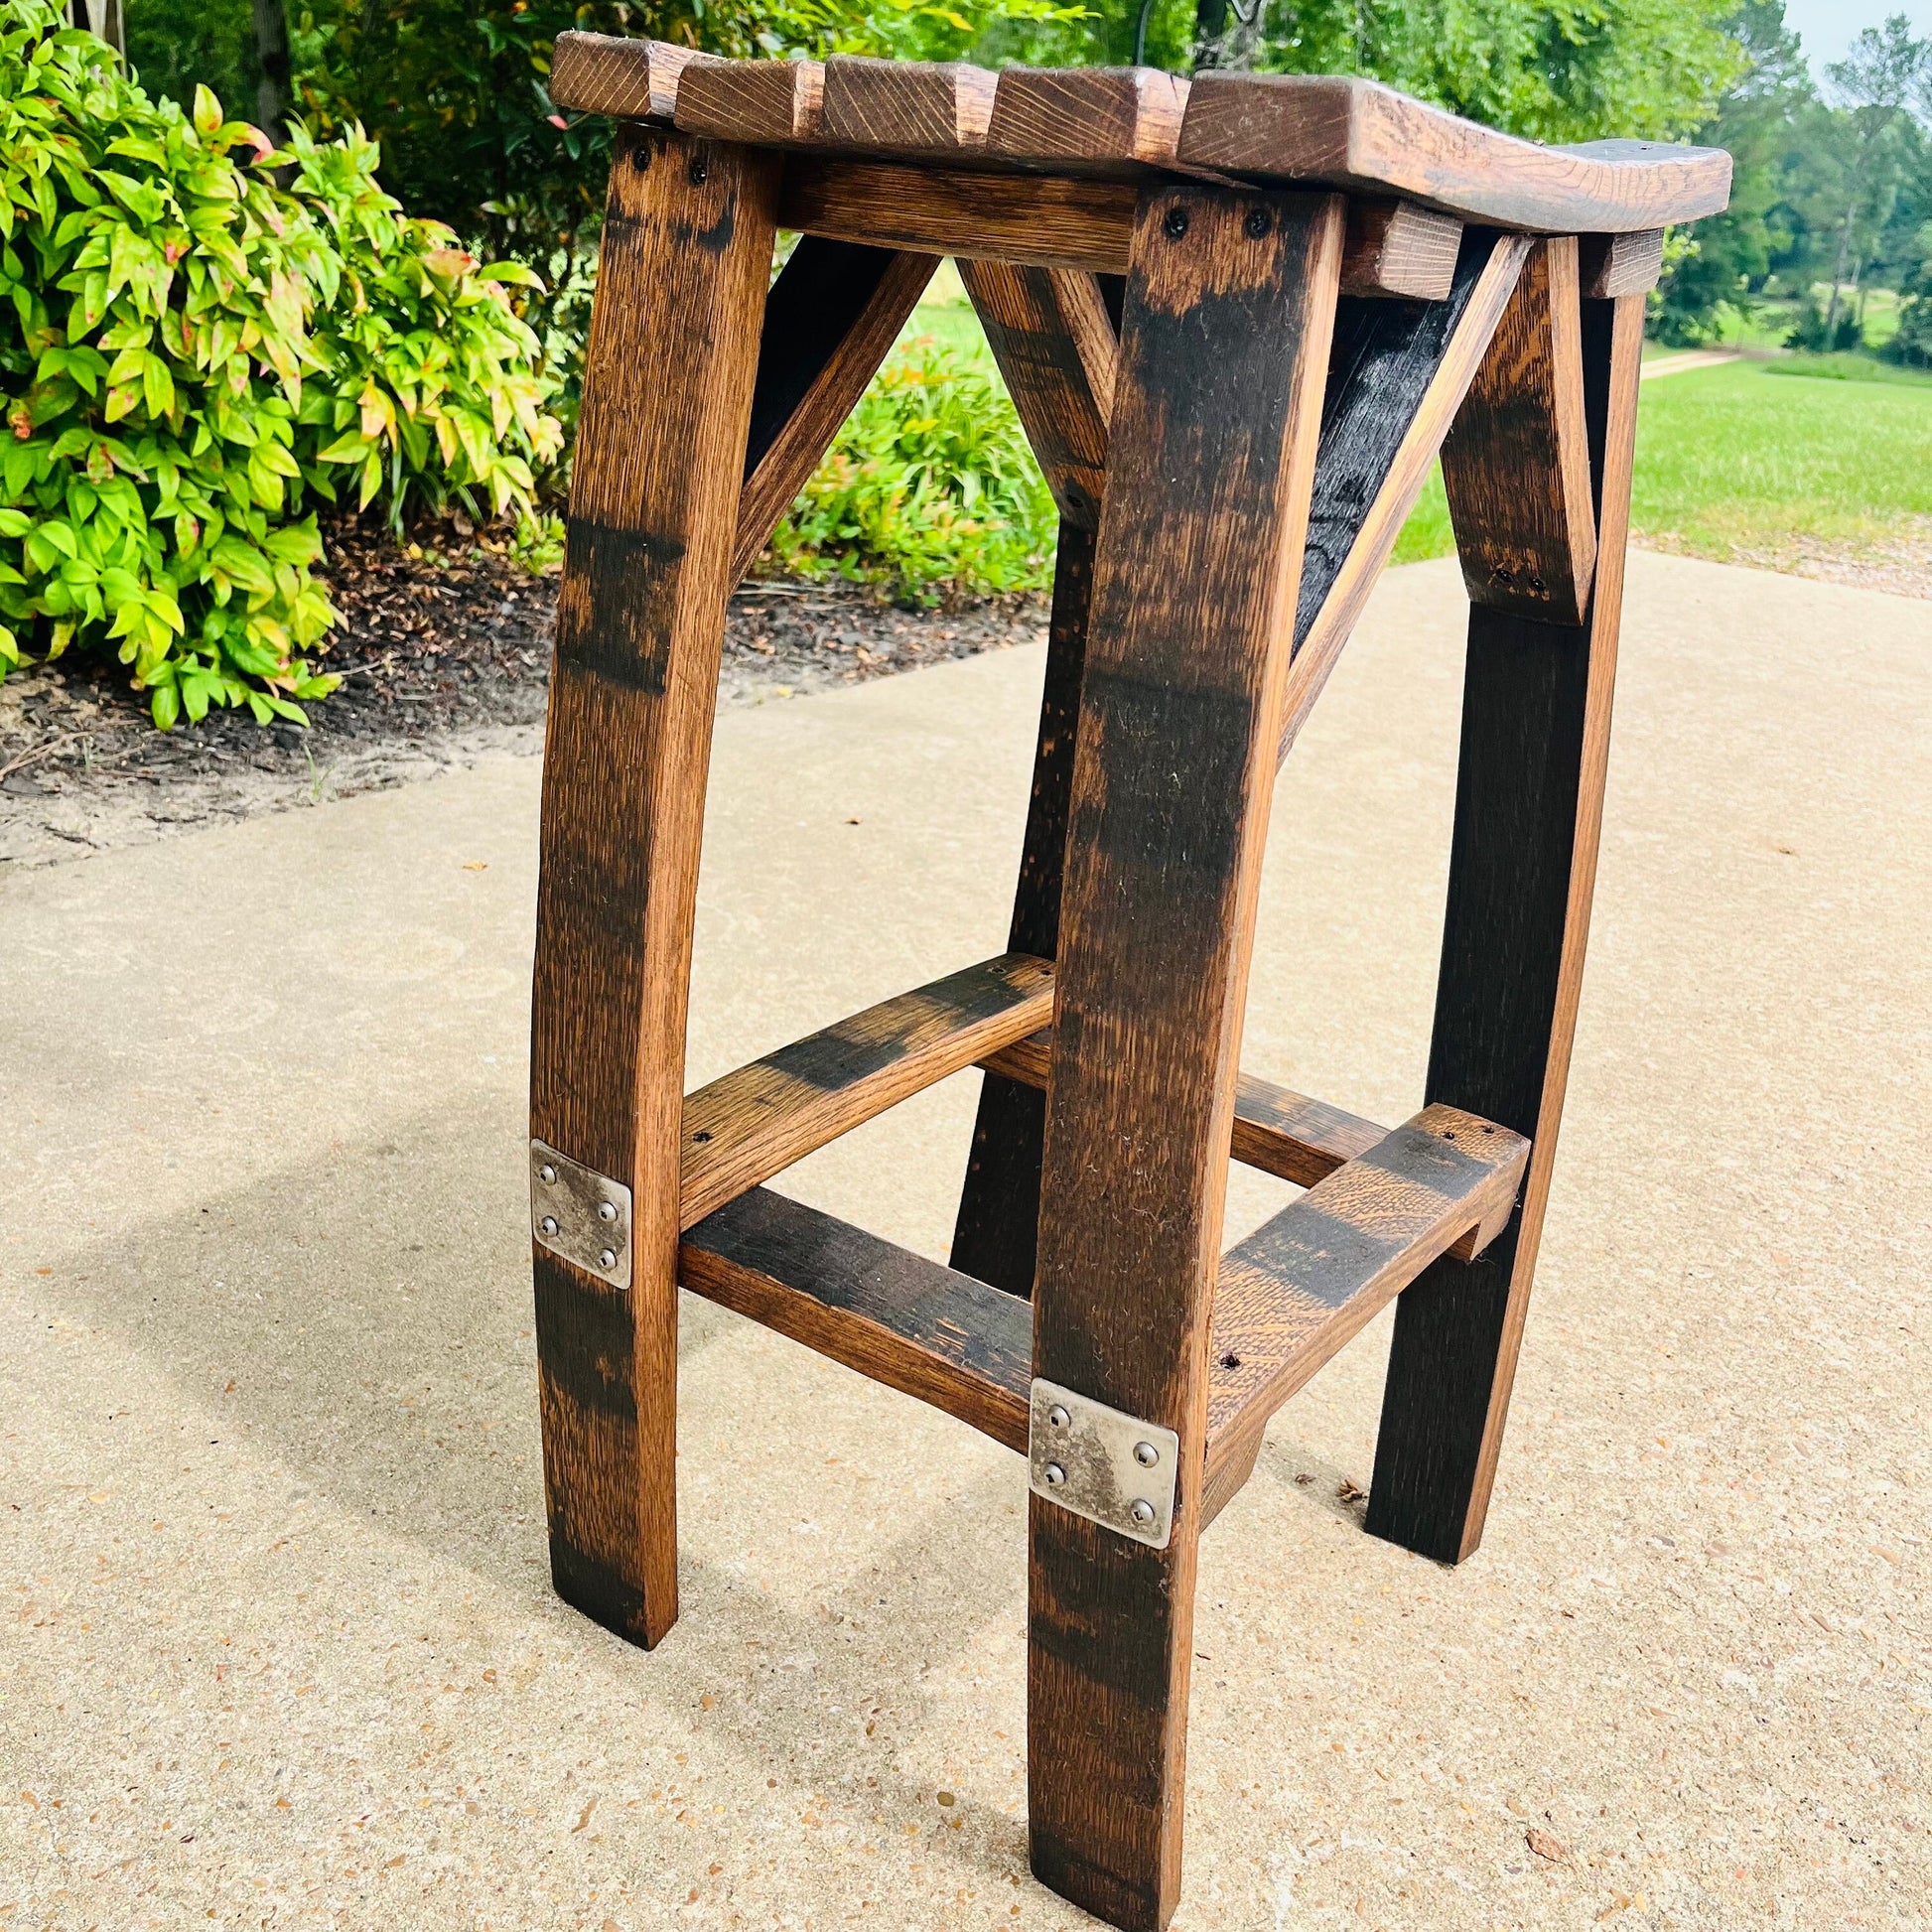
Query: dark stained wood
[[1048, 221], [1217, 406], [830, 319], [1396, 378], [608, 73], [757, 1121], [1311, 129], [1286, 1133], [1276, 1129], [768, 103], [686, 253], [1536, 720], [1359, 134], [1050, 334], [1610, 265], [996, 1232], [1398, 249], [1076, 119], [1516, 462], [1302, 1285], [906, 106], [893, 1316]]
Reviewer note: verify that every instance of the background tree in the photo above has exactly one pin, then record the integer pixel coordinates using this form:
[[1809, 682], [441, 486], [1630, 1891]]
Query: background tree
[[271, 23], [1876, 82], [1552, 69]]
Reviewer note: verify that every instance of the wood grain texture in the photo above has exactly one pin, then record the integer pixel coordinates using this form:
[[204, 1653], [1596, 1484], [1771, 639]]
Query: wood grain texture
[[1079, 119], [757, 1121], [996, 1231], [1299, 1289], [686, 248], [1044, 220], [765, 102], [1050, 331], [1397, 376], [830, 319], [1276, 1129], [1610, 265], [890, 1315], [608, 73], [1398, 249], [906, 106], [1536, 722], [1217, 406], [1362, 135], [1516, 462]]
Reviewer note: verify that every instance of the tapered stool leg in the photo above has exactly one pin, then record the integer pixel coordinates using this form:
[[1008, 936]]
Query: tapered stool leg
[[1535, 718], [1216, 411], [1057, 346], [996, 1235], [654, 495]]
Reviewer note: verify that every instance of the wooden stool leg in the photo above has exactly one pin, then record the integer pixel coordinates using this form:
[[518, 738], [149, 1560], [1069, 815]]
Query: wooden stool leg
[[995, 1236], [1536, 719], [655, 495], [1056, 345], [1216, 411]]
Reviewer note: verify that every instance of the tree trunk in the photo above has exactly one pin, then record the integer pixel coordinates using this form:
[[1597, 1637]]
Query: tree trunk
[[1837, 272], [104, 19], [1227, 34], [272, 55]]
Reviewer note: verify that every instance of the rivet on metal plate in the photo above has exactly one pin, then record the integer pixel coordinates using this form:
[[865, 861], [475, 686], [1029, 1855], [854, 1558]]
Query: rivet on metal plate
[[1101, 1464], [580, 1215]]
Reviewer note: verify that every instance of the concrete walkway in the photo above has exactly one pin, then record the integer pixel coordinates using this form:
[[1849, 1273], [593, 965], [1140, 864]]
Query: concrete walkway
[[280, 1647]]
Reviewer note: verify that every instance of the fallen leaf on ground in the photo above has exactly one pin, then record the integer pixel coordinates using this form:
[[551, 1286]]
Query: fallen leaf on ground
[[1546, 1847]]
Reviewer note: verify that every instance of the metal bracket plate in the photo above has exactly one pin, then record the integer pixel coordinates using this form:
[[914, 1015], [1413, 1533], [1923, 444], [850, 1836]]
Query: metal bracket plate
[[581, 1215], [1101, 1464]]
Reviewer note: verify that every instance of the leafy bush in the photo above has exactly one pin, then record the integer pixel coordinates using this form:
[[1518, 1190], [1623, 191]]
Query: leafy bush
[[1815, 330], [929, 484], [1912, 345], [188, 351]]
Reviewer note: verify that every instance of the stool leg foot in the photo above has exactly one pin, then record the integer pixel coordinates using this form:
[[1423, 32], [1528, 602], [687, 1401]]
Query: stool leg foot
[[655, 495], [1536, 725], [1224, 345]]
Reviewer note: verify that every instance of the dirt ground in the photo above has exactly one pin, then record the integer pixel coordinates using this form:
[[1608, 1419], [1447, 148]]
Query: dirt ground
[[443, 652]]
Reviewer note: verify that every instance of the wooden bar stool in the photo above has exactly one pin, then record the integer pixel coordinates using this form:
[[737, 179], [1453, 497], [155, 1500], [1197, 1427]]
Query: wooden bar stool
[[1238, 321]]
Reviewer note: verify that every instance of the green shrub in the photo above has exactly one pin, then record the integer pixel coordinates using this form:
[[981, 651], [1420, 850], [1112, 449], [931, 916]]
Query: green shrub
[[929, 485], [189, 351], [1811, 333]]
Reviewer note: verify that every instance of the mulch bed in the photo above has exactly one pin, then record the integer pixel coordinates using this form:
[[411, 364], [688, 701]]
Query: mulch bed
[[443, 651]]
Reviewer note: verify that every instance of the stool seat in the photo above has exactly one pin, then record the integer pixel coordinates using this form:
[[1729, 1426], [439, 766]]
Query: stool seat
[[1239, 319], [1324, 129]]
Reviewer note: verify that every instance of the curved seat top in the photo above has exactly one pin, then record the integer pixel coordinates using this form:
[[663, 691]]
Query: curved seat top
[[1319, 129]]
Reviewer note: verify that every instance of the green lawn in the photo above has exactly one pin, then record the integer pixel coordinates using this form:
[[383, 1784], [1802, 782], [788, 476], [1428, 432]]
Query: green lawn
[[1748, 457]]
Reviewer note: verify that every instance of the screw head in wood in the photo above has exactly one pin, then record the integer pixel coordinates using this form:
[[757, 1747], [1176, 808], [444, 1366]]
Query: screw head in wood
[[607, 1211], [1142, 1510], [1059, 1417], [1053, 1474], [547, 1174], [548, 1224], [1146, 1454], [608, 1259]]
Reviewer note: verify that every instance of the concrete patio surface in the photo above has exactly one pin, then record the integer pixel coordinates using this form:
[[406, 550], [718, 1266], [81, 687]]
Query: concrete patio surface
[[279, 1647]]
